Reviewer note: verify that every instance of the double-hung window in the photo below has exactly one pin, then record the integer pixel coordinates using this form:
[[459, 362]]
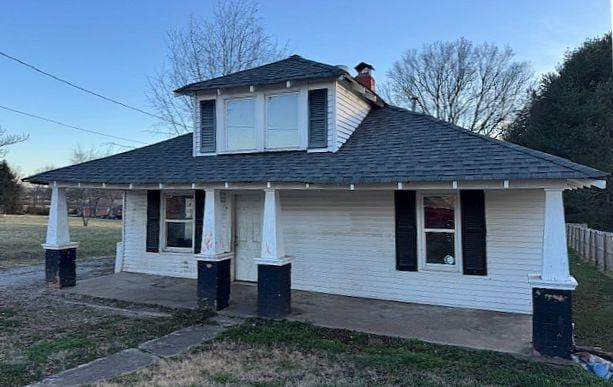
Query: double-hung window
[[282, 121], [241, 128], [178, 222], [440, 231]]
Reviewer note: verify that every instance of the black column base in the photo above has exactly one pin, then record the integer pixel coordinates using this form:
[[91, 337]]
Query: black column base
[[274, 290], [214, 284], [552, 330], [61, 268]]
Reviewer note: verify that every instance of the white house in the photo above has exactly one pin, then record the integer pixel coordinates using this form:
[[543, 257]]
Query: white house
[[298, 175]]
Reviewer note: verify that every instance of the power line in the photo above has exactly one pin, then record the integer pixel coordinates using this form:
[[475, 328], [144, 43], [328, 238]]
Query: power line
[[112, 100], [68, 125]]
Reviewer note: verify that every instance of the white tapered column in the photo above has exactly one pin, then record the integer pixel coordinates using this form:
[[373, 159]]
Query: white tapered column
[[273, 244], [555, 267], [212, 244], [58, 234]]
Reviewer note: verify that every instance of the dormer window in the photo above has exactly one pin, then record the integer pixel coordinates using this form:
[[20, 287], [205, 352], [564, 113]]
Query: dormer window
[[282, 129], [273, 119], [241, 130]]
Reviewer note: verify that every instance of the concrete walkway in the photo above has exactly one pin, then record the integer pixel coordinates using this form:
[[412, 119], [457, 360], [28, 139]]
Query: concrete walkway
[[503, 332], [133, 359]]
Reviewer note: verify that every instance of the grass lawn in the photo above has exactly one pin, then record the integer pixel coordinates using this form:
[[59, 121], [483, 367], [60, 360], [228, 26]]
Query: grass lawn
[[592, 305], [276, 353], [21, 236], [43, 336]]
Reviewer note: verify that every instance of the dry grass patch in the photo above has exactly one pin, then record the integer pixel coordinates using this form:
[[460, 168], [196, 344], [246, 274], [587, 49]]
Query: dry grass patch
[[281, 353], [230, 363]]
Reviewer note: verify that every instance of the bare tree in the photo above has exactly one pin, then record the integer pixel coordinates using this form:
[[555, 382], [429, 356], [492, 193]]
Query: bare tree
[[7, 139], [479, 87], [88, 199], [232, 40]]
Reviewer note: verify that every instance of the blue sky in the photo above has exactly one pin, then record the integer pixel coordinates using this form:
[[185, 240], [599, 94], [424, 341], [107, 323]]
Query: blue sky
[[112, 47]]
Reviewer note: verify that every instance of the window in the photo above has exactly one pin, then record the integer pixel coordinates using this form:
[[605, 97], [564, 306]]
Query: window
[[439, 231], [240, 124], [282, 121], [178, 221]]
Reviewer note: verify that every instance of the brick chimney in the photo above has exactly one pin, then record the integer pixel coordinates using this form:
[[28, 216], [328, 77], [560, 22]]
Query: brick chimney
[[364, 76]]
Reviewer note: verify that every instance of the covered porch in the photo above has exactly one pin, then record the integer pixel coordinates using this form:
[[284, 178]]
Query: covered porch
[[478, 329], [344, 242]]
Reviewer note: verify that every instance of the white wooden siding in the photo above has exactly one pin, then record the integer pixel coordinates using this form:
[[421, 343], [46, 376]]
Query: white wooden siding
[[136, 259], [350, 111], [343, 243]]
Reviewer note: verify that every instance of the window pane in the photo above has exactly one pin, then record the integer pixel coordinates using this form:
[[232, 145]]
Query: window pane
[[179, 234], [439, 211], [179, 207], [440, 248], [282, 121], [240, 125]]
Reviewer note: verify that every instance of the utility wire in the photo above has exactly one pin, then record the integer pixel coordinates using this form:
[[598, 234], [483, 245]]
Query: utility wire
[[112, 100], [68, 125]]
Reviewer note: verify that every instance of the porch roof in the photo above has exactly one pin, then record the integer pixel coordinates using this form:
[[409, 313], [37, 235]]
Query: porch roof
[[391, 145]]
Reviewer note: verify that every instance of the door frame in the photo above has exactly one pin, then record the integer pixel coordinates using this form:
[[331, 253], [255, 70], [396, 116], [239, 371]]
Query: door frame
[[234, 264]]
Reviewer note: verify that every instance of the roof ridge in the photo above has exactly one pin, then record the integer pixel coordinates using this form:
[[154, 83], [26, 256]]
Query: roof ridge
[[293, 56], [557, 160], [109, 156]]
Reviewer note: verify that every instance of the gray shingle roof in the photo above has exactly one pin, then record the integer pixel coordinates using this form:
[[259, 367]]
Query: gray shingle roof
[[391, 145], [293, 68]]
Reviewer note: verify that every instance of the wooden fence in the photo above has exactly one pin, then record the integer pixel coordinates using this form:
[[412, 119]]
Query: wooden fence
[[592, 245]]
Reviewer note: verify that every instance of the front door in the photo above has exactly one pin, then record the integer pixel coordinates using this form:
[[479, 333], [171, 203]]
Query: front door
[[248, 238]]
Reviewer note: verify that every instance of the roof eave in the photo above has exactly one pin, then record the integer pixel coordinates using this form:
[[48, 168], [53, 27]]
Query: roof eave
[[191, 88]]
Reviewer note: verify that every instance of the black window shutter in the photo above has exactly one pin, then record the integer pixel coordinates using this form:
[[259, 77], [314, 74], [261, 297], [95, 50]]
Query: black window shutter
[[207, 126], [318, 118], [153, 221], [406, 230], [473, 232], [199, 219]]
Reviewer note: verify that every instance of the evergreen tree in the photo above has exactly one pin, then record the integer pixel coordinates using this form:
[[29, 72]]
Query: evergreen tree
[[9, 189], [571, 115]]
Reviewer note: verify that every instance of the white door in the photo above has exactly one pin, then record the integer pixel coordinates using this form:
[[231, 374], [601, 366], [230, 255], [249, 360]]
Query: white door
[[248, 238]]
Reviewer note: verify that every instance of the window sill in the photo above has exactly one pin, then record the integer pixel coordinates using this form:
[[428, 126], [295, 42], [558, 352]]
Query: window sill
[[177, 250], [441, 268]]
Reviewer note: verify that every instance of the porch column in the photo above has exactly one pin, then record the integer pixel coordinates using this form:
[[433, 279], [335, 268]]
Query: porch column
[[274, 267], [60, 252], [213, 261], [552, 288]]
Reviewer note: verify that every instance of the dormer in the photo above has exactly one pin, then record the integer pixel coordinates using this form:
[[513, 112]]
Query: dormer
[[291, 105]]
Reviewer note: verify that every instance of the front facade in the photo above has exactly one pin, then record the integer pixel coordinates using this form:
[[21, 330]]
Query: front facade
[[343, 242], [299, 176]]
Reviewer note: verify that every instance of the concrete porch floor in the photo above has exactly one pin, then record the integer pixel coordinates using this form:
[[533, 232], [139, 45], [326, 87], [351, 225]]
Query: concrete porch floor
[[504, 332]]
